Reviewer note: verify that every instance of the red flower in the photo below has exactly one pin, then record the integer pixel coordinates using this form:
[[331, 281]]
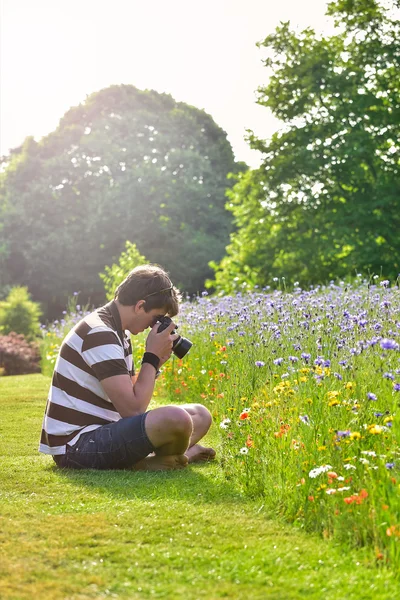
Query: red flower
[[244, 415]]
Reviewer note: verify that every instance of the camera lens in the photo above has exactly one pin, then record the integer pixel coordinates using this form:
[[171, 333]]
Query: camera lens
[[181, 346]]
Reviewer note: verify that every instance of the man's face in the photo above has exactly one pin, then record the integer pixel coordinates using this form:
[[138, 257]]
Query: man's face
[[142, 320]]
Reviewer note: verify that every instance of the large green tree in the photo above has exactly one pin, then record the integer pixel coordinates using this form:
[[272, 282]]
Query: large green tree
[[326, 199], [124, 165]]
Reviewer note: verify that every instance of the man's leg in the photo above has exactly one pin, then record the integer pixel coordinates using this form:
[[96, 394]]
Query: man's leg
[[169, 429], [202, 420]]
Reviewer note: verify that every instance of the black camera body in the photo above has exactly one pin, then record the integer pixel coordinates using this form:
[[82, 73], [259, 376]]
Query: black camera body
[[181, 345]]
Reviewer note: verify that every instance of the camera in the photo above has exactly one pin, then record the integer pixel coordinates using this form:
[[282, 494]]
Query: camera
[[181, 345]]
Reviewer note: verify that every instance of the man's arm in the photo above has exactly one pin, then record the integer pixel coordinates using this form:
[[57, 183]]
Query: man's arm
[[128, 399], [131, 400]]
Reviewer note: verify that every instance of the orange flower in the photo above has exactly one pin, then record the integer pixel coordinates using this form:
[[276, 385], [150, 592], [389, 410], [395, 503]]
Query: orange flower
[[349, 499], [249, 442], [244, 415], [391, 530], [311, 498], [332, 474]]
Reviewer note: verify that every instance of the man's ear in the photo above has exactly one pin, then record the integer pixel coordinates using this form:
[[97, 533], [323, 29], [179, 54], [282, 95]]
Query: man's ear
[[140, 304]]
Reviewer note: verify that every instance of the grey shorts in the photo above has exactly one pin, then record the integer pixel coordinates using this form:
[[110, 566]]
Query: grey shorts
[[114, 446]]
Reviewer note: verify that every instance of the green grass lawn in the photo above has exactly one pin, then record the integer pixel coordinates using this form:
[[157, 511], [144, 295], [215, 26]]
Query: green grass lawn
[[182, 535]]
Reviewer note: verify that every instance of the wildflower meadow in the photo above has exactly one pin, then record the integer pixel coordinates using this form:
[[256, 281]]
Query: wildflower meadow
[[304, 388]]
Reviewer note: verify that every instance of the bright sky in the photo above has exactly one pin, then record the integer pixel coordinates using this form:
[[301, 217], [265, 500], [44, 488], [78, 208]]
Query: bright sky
[[56, 52]]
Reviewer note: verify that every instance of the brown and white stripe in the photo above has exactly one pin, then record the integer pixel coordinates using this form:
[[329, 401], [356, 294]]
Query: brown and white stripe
[[96, 348]]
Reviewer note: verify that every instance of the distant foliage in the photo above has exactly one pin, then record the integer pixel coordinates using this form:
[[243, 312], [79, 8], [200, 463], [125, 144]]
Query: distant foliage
[[325, 201], [18, 356], [19, 314], [115, 274], [124, 165]]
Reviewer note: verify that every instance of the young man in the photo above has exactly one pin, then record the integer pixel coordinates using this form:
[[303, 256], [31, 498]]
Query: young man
[[96, 414]]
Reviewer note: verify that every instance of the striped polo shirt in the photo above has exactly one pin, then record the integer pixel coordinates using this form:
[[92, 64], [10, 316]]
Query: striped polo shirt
[[96, 348]]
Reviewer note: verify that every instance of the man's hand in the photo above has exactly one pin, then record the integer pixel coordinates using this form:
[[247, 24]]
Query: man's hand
[[160, 344]]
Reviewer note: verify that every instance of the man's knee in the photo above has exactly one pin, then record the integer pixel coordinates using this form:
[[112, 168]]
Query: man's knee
[[170, 419], [204, 415]]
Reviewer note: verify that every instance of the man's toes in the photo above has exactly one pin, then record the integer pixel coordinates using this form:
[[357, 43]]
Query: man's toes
[[182, 460]]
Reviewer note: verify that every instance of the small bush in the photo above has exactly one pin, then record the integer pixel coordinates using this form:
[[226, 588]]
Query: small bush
[[19, 314], [18, 356]]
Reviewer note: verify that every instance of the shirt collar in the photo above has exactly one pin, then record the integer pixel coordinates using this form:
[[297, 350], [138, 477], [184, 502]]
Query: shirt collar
[[113, 309]]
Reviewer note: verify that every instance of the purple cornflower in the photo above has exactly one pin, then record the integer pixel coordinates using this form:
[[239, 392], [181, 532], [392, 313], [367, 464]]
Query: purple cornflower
[[389, 465], [371, 396], [388, 376], [378, 414], [278, 361], [385, 283], [343, 434], [327, 363], [293, 359], [338, 376], [305, 356], [304, 419], [259, 363], [396, 387], [387, 344]]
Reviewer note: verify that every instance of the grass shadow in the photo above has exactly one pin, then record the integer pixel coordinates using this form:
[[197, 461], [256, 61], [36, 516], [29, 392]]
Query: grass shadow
[[197, 484]]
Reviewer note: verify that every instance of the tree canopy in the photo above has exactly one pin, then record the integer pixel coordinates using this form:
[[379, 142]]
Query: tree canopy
[[325, 201], [124, 165]]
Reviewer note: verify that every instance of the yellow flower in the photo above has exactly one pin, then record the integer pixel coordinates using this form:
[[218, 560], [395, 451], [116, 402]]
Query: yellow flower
[[350, 385], [333, 394], [333, 403], [355, 435], [388, 419], [303, 379], [375, 429]]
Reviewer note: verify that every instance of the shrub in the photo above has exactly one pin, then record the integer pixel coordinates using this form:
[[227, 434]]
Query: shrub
[[18, 356], [19, 314], [115, 274], [54, 333]]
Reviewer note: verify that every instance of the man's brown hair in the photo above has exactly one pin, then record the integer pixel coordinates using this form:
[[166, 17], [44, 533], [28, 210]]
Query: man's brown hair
[[152, 284]]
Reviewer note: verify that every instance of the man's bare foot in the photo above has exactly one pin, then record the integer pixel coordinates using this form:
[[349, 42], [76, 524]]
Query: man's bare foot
[[161, 463], [199, 453]]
